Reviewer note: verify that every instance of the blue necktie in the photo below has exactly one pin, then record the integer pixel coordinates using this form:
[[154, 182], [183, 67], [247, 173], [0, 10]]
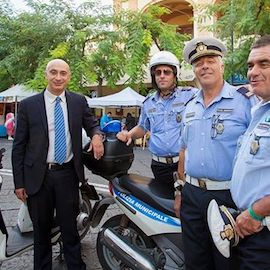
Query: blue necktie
[[60, 144]]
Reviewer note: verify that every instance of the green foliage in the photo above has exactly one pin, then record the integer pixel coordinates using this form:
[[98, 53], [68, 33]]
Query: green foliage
[[25, 40], [138, 32], [100, 47], [239, 23]]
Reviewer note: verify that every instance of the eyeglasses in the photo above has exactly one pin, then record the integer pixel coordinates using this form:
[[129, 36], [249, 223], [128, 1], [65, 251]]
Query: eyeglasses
[[166, 72]]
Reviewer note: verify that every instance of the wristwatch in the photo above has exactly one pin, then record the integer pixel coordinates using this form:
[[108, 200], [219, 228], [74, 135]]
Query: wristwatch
[[178, 184]]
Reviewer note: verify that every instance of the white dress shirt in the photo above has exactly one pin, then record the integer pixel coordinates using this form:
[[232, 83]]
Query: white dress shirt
[[49, 105]]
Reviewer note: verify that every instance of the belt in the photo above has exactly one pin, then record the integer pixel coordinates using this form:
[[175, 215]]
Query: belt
[[57, 166], [208, 184], [166, 160]]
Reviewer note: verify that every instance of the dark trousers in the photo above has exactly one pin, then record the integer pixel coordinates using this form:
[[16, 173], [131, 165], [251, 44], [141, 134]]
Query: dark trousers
[[199, 249], [59, 191], [254, 251], [163, 173]]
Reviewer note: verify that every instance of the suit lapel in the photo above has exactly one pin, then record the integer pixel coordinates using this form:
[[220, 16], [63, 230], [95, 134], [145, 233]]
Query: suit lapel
[[70, 109], [42, 109]]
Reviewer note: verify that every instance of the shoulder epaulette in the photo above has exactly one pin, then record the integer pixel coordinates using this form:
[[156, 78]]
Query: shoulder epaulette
[[150, 94], [190, 99], [245, 92], [186, 88]]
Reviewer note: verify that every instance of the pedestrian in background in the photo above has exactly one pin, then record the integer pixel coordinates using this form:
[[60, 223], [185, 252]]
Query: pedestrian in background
[[10, 125], [130, 122], [105, 119]]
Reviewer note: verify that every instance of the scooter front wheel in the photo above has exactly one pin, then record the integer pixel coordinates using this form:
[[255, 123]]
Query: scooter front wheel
[[86, 208], [133, 234]]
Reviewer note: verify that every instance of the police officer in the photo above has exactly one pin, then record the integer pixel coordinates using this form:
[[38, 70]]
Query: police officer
[[212, 123], [161, 114], [250, 181]]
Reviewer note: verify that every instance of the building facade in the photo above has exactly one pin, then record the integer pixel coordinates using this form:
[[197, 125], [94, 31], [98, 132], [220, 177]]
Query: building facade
[[188, 15]]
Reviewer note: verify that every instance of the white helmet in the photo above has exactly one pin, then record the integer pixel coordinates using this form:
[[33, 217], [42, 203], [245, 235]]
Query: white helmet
[[165, 58]]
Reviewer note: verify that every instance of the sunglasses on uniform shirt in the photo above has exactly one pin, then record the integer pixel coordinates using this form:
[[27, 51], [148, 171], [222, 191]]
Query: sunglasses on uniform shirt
[[166, 72]]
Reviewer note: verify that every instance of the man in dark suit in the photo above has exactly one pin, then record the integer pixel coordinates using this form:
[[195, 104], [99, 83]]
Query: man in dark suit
[[47, 162]]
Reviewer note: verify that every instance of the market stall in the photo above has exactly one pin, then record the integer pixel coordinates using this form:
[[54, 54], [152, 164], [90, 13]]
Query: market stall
[[9, 100]]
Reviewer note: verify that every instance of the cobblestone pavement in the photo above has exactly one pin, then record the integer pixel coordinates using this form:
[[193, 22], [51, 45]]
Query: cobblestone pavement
[[10, 205]]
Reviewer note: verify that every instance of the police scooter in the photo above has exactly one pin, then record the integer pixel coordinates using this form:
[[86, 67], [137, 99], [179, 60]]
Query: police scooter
[[147, 235], [20, 238]]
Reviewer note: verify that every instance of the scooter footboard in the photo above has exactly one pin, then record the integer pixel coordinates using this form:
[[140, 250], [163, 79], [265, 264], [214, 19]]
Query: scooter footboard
[[172, 248]]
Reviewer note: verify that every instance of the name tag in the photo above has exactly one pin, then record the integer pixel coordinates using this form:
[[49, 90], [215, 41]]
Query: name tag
[[263, 126], [224, 110], [178, 104], [191, 114], [152, 110]]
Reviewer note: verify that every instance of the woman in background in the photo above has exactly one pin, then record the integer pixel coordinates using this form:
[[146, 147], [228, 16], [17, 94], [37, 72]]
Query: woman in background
[[10, 125]]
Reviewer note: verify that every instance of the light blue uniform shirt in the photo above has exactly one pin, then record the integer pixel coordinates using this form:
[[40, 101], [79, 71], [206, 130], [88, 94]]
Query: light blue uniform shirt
[[251, 174], [163, 118], [210, 134]]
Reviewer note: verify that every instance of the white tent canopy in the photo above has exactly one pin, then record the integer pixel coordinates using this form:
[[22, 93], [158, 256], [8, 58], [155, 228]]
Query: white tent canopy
[[16, 93], [126, 97]]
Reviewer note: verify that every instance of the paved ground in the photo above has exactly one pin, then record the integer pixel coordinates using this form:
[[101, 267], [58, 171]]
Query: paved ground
[[10, 205]]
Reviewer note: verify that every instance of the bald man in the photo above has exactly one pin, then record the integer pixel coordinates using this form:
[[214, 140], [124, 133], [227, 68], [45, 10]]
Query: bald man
[[47, 163]]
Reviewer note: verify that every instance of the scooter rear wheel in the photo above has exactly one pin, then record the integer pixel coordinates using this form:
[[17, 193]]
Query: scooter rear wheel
[[107, 259]]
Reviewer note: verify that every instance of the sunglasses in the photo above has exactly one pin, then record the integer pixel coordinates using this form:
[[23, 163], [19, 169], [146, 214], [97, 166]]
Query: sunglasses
[[166, 72]]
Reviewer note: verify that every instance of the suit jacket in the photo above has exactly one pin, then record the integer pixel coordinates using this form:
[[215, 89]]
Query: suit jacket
[[30, 145]]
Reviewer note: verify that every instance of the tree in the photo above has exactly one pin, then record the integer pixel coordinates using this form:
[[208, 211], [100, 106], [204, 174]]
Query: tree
[[239, 23], [25, 40], [99, 46], [126, 48]]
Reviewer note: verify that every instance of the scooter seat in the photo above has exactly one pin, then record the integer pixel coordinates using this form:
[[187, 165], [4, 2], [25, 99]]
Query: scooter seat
[[146, 189]]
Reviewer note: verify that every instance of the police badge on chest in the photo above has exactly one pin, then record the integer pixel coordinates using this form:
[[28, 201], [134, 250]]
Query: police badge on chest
[[255, 145], [178, 117]]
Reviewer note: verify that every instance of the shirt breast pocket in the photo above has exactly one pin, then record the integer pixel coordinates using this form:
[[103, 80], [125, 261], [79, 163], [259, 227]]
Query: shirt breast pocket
[[190, 130], [156, 121], [174, 118], [227, 127]]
